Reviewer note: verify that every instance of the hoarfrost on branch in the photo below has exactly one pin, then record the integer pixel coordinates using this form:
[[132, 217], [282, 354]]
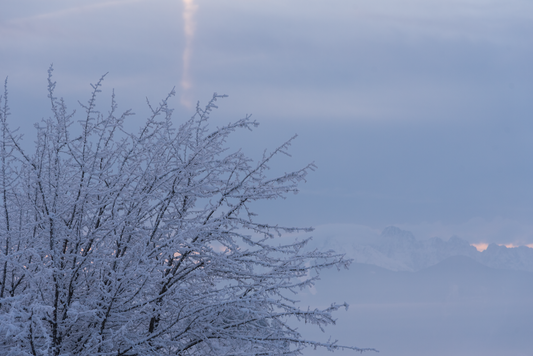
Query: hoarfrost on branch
[[120, 243]]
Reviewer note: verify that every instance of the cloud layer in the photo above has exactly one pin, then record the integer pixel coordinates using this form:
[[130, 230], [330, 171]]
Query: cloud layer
[[417, 113]]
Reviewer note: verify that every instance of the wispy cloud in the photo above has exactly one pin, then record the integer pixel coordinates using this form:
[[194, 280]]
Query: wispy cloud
[[21, 26], [189, 9], [75, 10]]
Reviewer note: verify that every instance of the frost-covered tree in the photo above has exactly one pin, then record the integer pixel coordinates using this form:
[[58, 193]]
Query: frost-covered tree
[[121, 243]]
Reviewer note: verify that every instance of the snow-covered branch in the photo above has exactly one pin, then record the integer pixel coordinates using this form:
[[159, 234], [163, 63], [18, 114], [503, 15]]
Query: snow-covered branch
[[121, 243]]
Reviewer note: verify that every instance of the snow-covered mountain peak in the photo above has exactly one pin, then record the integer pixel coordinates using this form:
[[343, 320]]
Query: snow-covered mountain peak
[[392, 232]]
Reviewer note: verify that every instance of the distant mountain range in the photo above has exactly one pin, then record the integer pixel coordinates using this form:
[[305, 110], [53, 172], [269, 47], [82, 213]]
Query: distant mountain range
[[399, 250], [412, 297]]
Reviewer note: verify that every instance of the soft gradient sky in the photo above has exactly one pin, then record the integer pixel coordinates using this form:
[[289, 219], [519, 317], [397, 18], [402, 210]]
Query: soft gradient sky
[[418, 113]]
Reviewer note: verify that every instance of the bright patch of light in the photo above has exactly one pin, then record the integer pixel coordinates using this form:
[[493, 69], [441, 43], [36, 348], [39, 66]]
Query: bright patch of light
[[508, 245], [481, 246]]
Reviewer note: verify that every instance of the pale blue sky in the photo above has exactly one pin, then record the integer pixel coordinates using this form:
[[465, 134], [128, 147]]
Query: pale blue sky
[[418, 113]]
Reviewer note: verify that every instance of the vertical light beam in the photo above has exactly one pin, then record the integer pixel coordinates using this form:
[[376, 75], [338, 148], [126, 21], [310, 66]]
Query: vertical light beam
[[189, 8]]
